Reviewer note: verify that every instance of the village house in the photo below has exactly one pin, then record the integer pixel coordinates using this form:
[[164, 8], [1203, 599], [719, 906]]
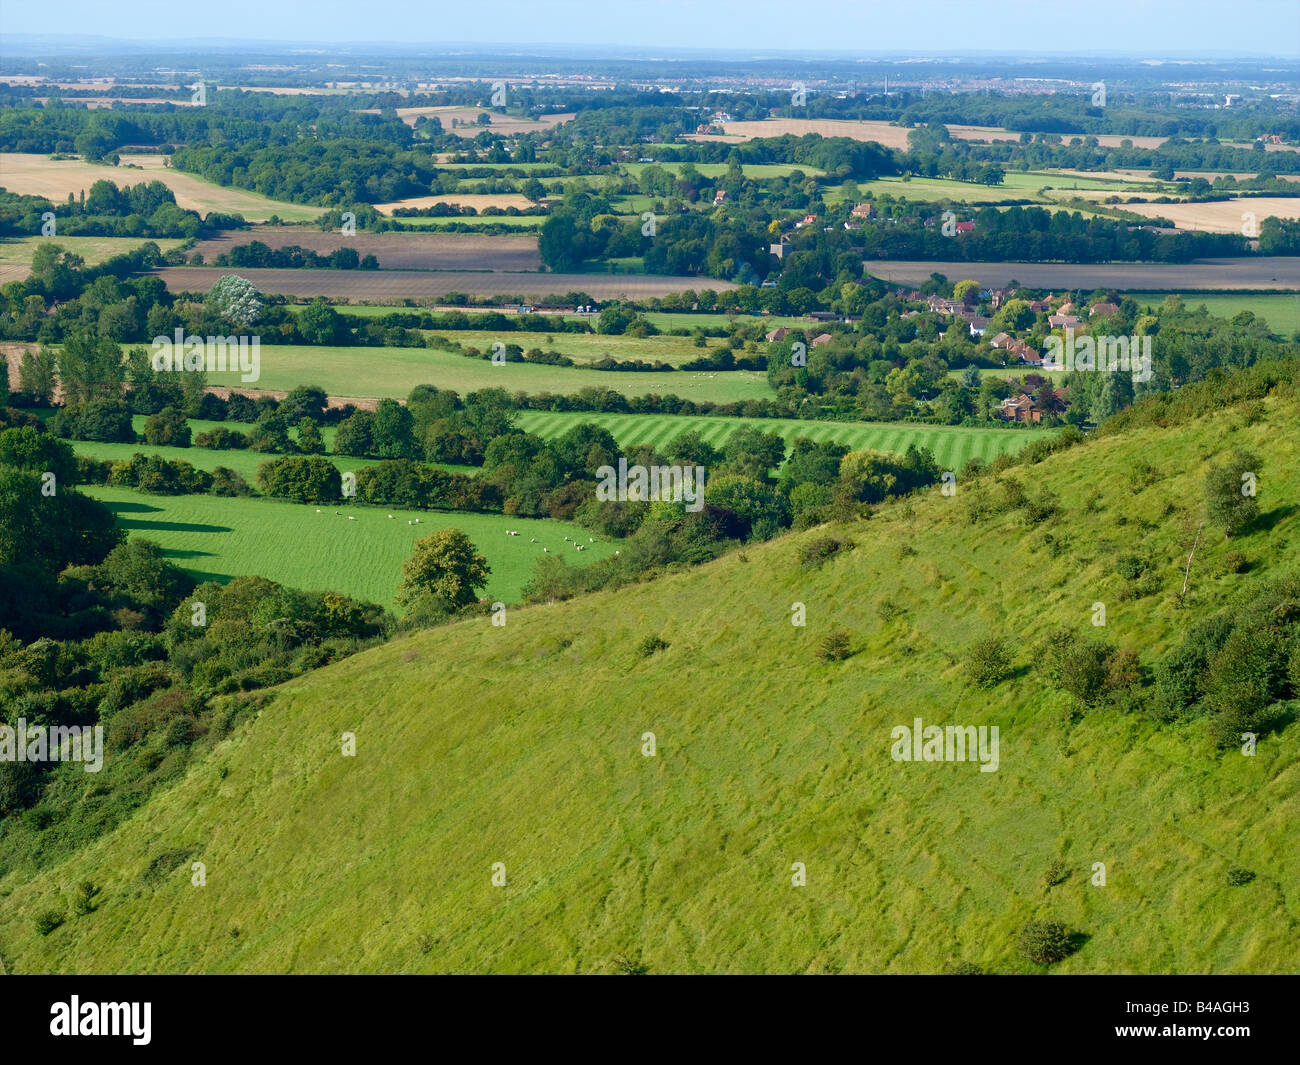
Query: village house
[[1019, 409], [977, 323], [820, 339], [777, 335], [1063, 321], [807, 220], [779, 250], [719, 197], [863, 210], [965, 227], [1001, 340], [1103, 309]]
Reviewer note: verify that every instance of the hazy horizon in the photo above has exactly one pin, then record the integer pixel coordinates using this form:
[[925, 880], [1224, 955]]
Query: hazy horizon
[[939, 28]]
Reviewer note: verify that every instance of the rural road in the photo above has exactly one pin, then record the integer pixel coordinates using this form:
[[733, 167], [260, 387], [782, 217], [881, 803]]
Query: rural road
[[1263, 273]]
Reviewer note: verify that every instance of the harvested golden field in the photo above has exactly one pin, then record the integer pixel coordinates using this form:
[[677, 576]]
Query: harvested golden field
[[1221, 216], [39, 175], [469, 199], [395, 251], [393, 286], [881, 132]]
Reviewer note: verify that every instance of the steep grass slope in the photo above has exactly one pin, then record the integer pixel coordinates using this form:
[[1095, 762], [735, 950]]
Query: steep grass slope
[[523, 745]]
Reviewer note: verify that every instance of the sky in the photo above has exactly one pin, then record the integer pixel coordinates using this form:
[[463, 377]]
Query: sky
[[1039, 27]]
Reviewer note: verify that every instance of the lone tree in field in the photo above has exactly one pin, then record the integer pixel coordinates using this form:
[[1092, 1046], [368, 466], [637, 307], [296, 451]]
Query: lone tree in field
[[1230, 492], [236, 300], [446, 567]]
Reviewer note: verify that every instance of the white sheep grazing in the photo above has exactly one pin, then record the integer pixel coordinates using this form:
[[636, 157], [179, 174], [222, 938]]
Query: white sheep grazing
[[546, 549], [390, 515], [618, 552], [409, 521], [591, 539], [351, 518], [533, 540], [318, 510]]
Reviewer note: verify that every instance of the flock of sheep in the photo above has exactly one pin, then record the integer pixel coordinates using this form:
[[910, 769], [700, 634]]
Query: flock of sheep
[[509, 532]]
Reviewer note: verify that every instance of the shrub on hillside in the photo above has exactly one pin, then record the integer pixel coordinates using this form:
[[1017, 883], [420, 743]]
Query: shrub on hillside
[[48, 920], [813, 553], [1238, 876], [988, 662], [1044, 942], [1229, 492], [651, 645], [835, 647]]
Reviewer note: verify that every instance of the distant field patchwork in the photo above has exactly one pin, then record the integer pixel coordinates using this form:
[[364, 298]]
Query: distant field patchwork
[[393, 285], [395, 251]]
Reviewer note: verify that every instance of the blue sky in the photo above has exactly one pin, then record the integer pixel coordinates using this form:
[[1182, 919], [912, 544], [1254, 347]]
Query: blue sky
[[1151, 27]]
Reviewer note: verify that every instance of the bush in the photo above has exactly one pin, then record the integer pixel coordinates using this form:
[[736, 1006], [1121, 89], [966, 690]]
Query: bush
[[167, 428], [834, 647], [222, 439], [1082, 668], [1238, 876], [651, 645], [814, 552], [1056, 873], [84, 900], [1044, 942], [963, 968], [48, 920], [988, 662]]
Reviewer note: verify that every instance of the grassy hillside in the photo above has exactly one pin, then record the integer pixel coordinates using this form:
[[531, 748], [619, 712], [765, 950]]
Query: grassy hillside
[[523, 745]]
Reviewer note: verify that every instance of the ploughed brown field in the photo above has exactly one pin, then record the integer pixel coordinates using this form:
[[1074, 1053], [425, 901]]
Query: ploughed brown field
[[395, 251], [882, 132], [388, 286], [1265, 273]]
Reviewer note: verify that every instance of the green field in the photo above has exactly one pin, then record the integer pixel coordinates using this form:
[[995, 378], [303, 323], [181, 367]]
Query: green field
[[18, 251], [590, 347], [217, 538], [1280, 309], [380, 372], [523, 745], [953, 446]]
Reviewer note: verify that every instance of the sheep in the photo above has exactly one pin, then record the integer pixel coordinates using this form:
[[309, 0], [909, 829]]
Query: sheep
[[533, 540], [591, 539], [409, 521], [318, 510], [351, 518], [390, 515], [546, 549]]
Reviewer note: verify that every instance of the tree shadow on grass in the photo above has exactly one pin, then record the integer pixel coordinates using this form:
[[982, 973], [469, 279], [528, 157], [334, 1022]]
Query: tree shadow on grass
[[1077, 941], [119, 507], [202, 576], [175, 526], [169, 552], [1266, 521]]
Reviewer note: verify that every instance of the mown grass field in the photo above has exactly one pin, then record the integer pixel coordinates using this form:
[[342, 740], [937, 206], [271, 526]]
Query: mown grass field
[[216, 538], [953, 446], [523, 745], [16, 252], [1280, 310], [380, 372], [590, 347]]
